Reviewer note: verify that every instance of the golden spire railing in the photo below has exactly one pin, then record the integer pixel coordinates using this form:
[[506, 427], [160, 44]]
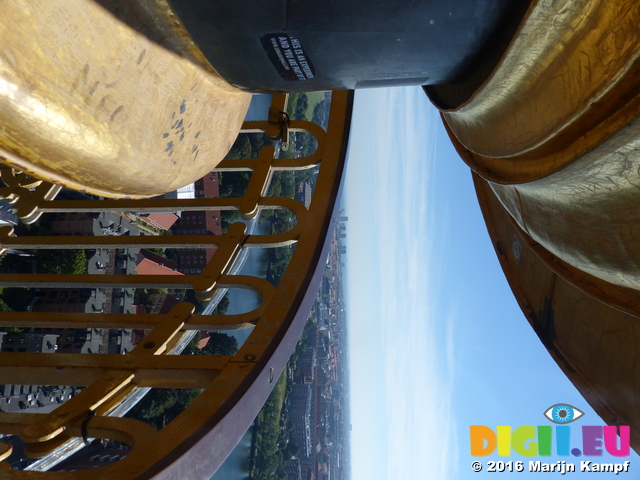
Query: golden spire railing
[[195, 443]]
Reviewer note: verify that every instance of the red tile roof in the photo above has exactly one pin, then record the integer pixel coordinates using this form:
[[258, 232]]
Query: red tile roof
[[137, 335], [149, 267], [161, 220], [204, 339], [154, 257], [139, 309]]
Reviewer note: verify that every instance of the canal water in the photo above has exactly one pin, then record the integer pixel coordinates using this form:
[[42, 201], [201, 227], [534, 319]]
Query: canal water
[[243, 300], [259, 108], [240, 300], [236, 466]]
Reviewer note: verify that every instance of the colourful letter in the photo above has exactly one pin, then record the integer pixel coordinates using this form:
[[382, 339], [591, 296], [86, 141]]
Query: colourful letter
[[563, 440], [611, 443], [521, 436], [480, 434], [544, 440], [504, 441], [592, 441]]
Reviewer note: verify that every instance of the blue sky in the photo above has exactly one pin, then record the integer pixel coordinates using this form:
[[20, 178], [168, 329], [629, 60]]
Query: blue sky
[[437, 341]]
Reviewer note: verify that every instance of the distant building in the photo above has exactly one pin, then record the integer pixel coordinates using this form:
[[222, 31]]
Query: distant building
[[194, 260], [94, 300], [159, 221], [301, 413], [161, 303], [33, 342], [92, 223], [70, 300], [188, 191], [93, 456], [100, 261]]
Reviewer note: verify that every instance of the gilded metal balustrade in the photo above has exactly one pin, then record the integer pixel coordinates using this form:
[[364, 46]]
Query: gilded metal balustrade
[[234, 388]]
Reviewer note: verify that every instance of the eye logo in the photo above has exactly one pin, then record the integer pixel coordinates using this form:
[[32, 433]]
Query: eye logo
[[563, 413]]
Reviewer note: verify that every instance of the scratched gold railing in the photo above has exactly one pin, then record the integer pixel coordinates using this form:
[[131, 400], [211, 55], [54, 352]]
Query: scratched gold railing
[[195, 443]]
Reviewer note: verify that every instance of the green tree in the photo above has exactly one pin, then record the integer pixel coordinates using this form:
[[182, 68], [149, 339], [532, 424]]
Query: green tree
[[221, 344], [17, 299], [288, 185], [240, 149], [223, 306], [275, 187], [291, 450], [302, 105], [190, 296], [4, 307], [192, 347], [218, 344], [60, 261], [161, 405], [234, 184]]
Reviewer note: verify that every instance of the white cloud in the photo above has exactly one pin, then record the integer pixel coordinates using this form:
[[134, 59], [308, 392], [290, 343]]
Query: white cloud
[[404, 362]]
